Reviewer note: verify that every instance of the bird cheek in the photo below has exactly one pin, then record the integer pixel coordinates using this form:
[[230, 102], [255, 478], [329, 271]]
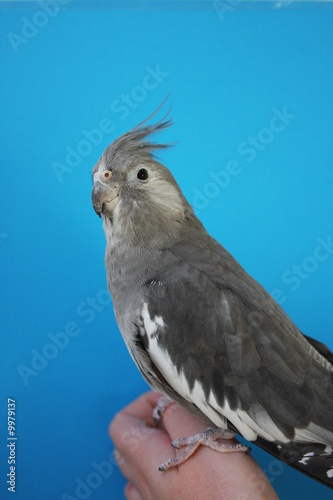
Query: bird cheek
[[110, 206]]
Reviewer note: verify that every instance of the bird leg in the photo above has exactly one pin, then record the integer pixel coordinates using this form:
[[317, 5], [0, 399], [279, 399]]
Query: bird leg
[[208, 437]]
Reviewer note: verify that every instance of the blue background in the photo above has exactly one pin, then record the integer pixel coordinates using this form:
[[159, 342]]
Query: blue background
[[227, 72]]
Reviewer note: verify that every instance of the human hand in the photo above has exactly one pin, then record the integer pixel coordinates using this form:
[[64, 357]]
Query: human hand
[[141, 447]]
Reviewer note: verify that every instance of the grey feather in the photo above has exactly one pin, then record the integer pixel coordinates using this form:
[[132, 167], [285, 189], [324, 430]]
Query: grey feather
[[242, 360]]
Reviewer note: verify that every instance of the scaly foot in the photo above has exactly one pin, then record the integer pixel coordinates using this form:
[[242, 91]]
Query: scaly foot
[[208, 438]]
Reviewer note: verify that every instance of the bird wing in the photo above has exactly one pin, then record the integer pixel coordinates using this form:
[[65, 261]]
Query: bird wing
[[321, 348], [220, 345]]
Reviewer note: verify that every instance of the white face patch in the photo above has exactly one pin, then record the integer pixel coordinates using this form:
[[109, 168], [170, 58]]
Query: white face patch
[[166, 198], [114, 237], [329, 473]]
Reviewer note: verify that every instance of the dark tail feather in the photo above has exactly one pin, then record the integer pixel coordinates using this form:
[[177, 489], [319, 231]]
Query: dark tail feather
[[314, 460]]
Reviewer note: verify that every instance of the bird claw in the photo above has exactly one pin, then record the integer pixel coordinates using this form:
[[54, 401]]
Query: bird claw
[[161, 406], [205, 437], [208, 438]]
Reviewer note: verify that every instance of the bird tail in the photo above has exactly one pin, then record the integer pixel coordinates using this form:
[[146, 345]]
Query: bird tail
[[314, 460]]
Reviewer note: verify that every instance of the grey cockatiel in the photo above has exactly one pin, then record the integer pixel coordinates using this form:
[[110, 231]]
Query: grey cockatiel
[[199, 328]]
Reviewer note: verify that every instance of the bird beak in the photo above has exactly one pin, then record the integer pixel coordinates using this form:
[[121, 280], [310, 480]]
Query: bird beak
[[96, 198], [104, 196]]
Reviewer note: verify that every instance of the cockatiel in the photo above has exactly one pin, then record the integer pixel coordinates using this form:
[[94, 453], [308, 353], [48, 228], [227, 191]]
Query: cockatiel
[[199, 328]]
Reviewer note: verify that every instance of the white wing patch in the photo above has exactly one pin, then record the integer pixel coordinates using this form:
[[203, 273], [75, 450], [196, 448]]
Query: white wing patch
[[250, 429], [257, 423], [162, 360], [313, 434], [160, 357], [176, 379], [199, 399], [233, 417], [306, 458], [151, 325]]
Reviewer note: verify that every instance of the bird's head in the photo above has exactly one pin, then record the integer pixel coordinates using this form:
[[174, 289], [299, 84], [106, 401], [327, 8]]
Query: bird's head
[[136, 193]]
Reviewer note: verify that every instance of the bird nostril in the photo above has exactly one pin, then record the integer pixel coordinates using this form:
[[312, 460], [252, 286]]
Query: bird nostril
[[107, 175]]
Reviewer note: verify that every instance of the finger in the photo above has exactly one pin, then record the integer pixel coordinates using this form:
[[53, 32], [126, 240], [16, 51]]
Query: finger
[[134, 424], [127, 470], [137, 440], [143, 406], [131, 493], [142, 449]]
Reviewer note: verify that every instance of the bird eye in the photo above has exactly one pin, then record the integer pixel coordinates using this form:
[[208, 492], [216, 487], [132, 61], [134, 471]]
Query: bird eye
[[142, 174]]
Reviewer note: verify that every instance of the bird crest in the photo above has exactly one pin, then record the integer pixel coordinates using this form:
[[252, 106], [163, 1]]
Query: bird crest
[[134, 142]]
